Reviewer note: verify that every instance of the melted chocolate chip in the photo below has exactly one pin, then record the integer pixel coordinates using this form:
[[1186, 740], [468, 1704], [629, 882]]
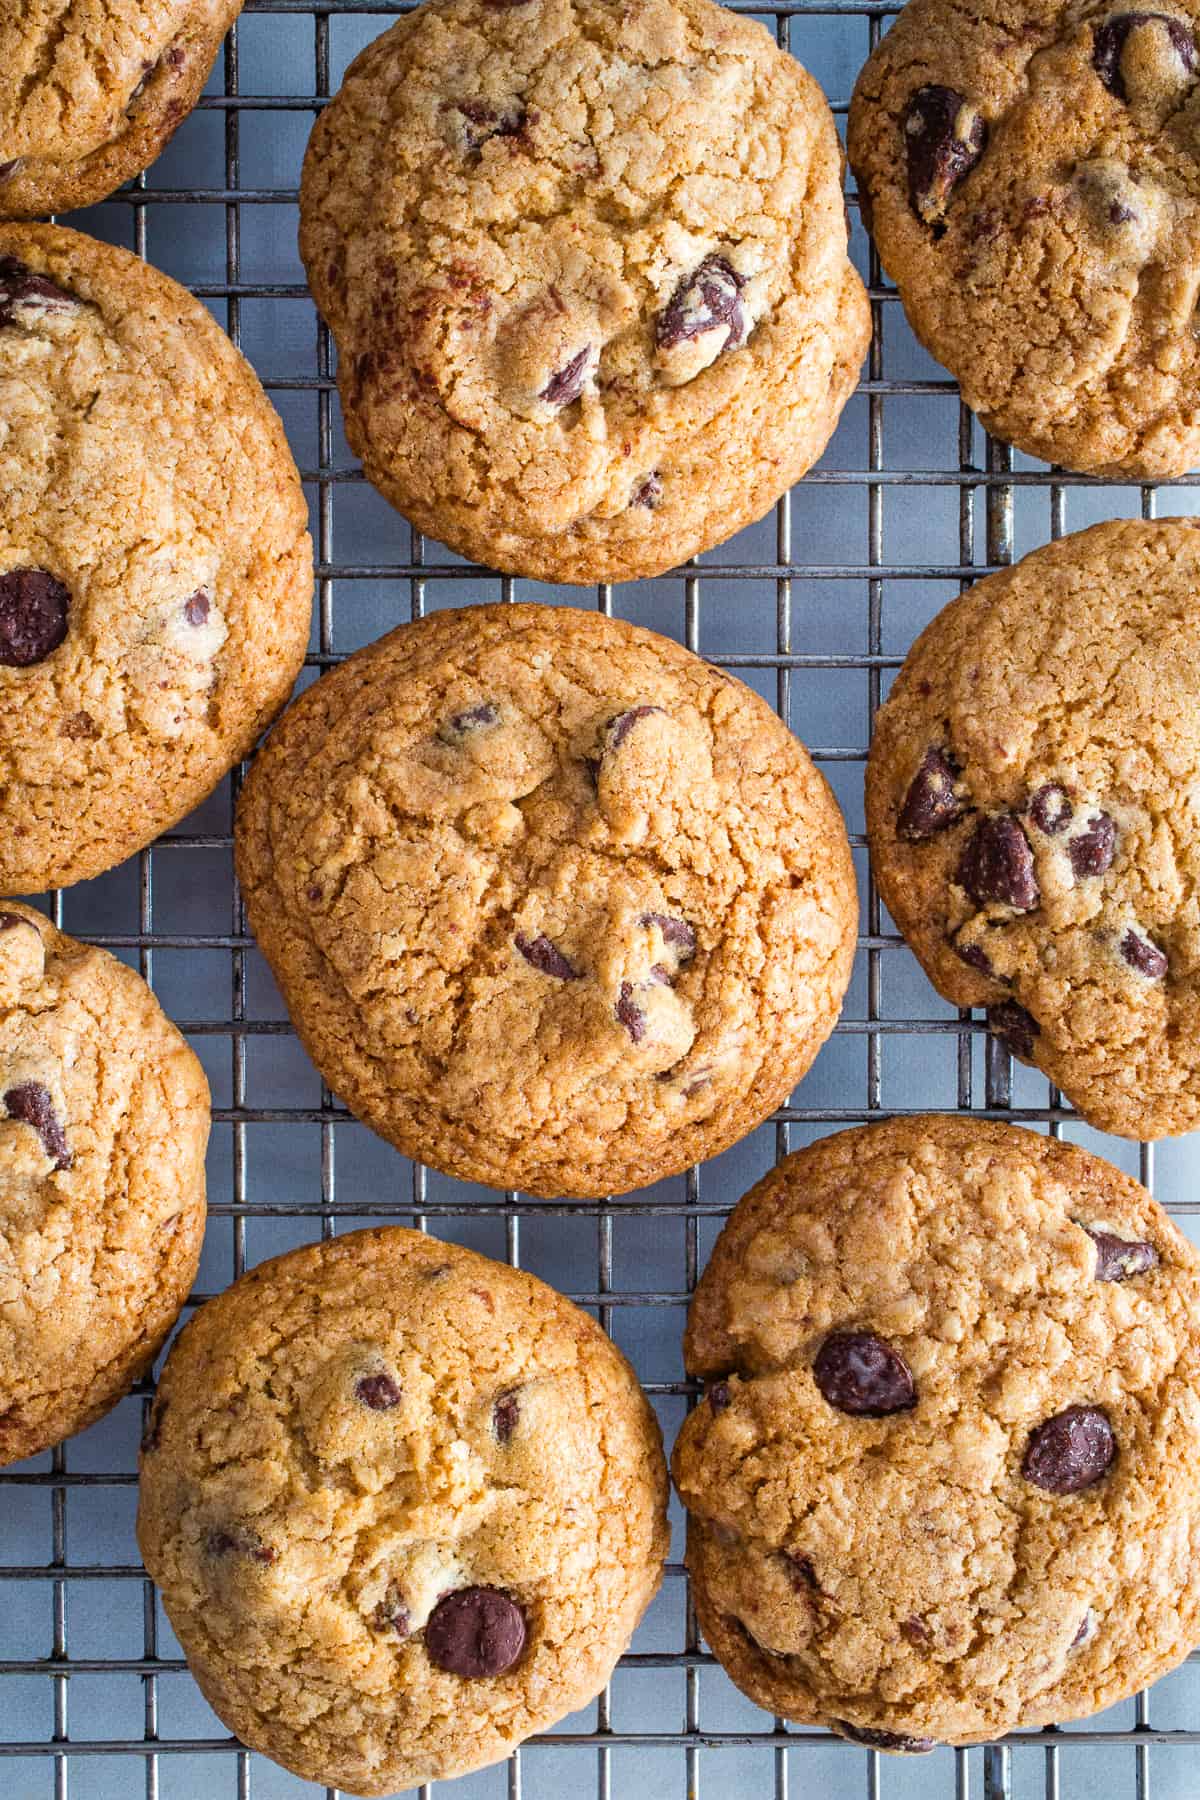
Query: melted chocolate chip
[[931, 803], [475, 1632], [885, 1740], [378, 1392], [801, 1573], [546, 957], [506, 1411], [483, 122], [30, 1102], [1091, 852], [19, 287], [1014, 1027], [944, 137], [676, 932], [621, 724], [240, 1542], [630, 1014], [1118, 1258], [649, 493], [1050, 809], [152, 1433], [708, 300], [195, 609], [1071, 1451], [391, 1614], [1142, 955], [1108, 46], [975, 956], [719, 1396], [997, 865], [566, 384], [33, 617], [860, 1374], [471, 719]]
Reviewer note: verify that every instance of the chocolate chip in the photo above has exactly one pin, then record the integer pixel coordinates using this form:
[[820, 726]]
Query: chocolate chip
[[708, 300], [483, 122], [649, 493], [931, 803], [379, 1392], [566, 384], [801, 1573], [471, 719], [475, 1632], [19, 286], [719, 1396], [546, 957], [33, 617], [860, 1374], [1050, 809], [944, 137], [1014, 1027], [1108, 46], [630, 1014], [976, 956], [621, 724], [1118, 1258], [1086, 1632], [30, 1102], [1071, 1451], [884, 1740], [997, 865], [391, 1614], [195, 610], [914, 1632], [152, 1433], [676, 932], [1091, 852], [506, 1411], [1142, 955], [241, 1542]]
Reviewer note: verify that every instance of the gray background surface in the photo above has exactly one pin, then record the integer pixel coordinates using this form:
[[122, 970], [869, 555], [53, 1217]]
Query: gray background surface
[[814, 607]]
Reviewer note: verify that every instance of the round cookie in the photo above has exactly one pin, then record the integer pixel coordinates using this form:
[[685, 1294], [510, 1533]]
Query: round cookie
[[155, 566], [91, 90], [586, 267], [553, 904], [103, 1128], [945, 1480], [1031, 820], [1030, 176], [405, 1505]]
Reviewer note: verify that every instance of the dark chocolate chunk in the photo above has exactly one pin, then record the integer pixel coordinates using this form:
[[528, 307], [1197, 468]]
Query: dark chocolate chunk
[[1014, 1026], [1051, 809], [30, 1102], [944, 138], [546, 957], [931, 803], [20, 287], [620, 726], [473, 718], [676, 932], [1091, 852], [195, 610], [630, 1014], [1142, 955], [378, 1392], [719, 1395], [860, 1374], [475, 1632], [649, 492], [1071, 1451], [1118, 1258], [1108, 46], [997, 865], [237, 1540], [566, 384], [391, 1614], [707, 300], [506, 1412], [33, 617]]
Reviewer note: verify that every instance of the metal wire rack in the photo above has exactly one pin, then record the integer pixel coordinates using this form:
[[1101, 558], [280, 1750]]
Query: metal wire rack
[[95, 1698]]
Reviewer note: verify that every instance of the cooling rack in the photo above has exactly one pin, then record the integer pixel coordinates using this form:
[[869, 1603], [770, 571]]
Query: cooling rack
[[815, 608]]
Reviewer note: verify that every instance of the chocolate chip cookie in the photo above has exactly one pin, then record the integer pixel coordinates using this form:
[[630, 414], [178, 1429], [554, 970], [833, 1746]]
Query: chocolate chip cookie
[[1030, 173], [553, 904], [1031, 815], [405, 1506], [103, 1128], [90, 91], [586, 266], [155, 566], [945, 1480]]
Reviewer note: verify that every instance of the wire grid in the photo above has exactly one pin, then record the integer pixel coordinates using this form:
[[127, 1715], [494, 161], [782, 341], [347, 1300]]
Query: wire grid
[[63, 1763]]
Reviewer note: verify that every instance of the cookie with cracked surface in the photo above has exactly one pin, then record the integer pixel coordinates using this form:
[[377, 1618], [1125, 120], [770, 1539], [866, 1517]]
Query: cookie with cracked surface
[[155, 565], [91, 90], [1030, 174], [585, 262], [103, 1128], [945, 1481], [1030, 816], [554, 904], [405, 1505]]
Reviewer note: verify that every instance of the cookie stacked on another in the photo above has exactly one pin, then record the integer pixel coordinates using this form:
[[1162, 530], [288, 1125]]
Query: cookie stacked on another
[[585, 262], [405, 1505], [945, 1480]]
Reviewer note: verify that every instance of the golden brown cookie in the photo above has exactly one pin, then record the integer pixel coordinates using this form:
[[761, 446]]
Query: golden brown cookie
[[91, 90], [945, 1480], [155, 566], [585, 262], [1031, 179], [405, 1506], [103, 1128], [553, 904], [1031, 816]]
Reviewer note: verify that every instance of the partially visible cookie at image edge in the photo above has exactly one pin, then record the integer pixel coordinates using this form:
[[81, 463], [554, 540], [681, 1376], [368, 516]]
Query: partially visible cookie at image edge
[[585, 263]]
